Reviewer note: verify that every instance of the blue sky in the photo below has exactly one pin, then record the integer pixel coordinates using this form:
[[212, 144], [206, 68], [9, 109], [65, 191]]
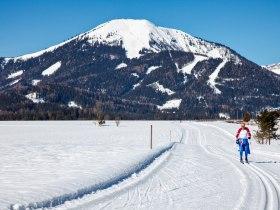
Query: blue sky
[[250, 27]]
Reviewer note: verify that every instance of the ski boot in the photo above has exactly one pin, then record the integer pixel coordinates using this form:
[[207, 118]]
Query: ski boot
[[246, 160], [241, 161]]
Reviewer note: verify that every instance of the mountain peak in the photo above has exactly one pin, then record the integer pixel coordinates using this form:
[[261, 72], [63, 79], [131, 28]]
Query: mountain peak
[[136, 35], [273, 67], [128, 21], [139, 35]]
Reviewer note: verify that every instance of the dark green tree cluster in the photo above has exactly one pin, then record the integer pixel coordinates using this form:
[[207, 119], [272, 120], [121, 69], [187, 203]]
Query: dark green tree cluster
[[267, 123]]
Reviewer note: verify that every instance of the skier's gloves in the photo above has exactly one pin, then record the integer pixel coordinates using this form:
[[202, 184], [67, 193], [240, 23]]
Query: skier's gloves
[[237, 142], [249, 137]]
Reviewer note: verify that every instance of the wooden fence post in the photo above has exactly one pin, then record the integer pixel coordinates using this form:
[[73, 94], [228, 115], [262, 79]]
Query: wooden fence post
[[151, 143]]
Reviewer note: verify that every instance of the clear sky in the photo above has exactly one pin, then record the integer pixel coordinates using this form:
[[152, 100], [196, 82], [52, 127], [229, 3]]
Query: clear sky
[[250, 27]]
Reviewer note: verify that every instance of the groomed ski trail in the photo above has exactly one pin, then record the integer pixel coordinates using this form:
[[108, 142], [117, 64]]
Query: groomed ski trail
[[271, 187], [201, 172]]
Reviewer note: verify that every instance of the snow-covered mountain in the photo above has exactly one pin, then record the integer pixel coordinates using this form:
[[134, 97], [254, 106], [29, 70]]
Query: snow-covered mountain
[[138, 68], [273, 67], [137, 36]]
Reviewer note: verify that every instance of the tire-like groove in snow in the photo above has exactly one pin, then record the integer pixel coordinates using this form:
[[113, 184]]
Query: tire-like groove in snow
[[272, 188], [222, 157], [58, 200]]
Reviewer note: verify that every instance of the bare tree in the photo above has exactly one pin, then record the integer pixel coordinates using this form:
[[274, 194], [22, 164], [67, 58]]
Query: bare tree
[[99, 113], [117, 120]]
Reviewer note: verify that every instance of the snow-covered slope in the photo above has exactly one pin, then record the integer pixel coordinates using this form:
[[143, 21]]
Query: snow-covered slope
[[53, 68], [136, 35], [160, 88], [274, 68], [172, 104], [34, 98], [74, 104], [213, 77], [15, 74]]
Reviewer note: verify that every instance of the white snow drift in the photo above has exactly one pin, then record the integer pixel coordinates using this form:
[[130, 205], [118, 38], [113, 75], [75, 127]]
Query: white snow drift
[[137, 84], [152, 68], [14, 82], [214, 76], [52, 69], [121, 65], [160, 88], [35, 98], [171, 104], [135, 75], [35, 81], [74, 105], [15, 74], [187, 69], [224, 116]]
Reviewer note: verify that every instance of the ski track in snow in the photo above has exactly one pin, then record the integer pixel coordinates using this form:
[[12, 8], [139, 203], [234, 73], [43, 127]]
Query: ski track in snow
[[270, 186], [178, 183], [67, 159], [202, 171]]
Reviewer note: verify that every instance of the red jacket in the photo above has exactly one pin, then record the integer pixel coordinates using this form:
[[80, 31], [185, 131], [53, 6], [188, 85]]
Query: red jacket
[[247, 129]]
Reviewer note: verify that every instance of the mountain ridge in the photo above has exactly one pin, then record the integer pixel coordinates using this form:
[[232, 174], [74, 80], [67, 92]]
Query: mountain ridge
[[138, 70], [117, 24], [275, 67]]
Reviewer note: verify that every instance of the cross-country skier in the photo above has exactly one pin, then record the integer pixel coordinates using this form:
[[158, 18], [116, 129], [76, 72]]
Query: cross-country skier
[[242, 136]]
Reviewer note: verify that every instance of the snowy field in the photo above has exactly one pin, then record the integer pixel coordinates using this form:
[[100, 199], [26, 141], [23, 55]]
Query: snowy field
[[85, 166], [42, 160]]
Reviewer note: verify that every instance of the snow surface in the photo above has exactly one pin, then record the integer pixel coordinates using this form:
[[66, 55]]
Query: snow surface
[[136, 35], [171, 104], [274, 68], [214, 76], [187, 69], [152, 68], [35, 81], [74, 104], [35, 98], [224, 115], [15, 74], [39, 53], [43, 160], [135, 75], [121, 65], [137, 84], [53, 68], [200, 171], [14, 82], [161, 88]]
